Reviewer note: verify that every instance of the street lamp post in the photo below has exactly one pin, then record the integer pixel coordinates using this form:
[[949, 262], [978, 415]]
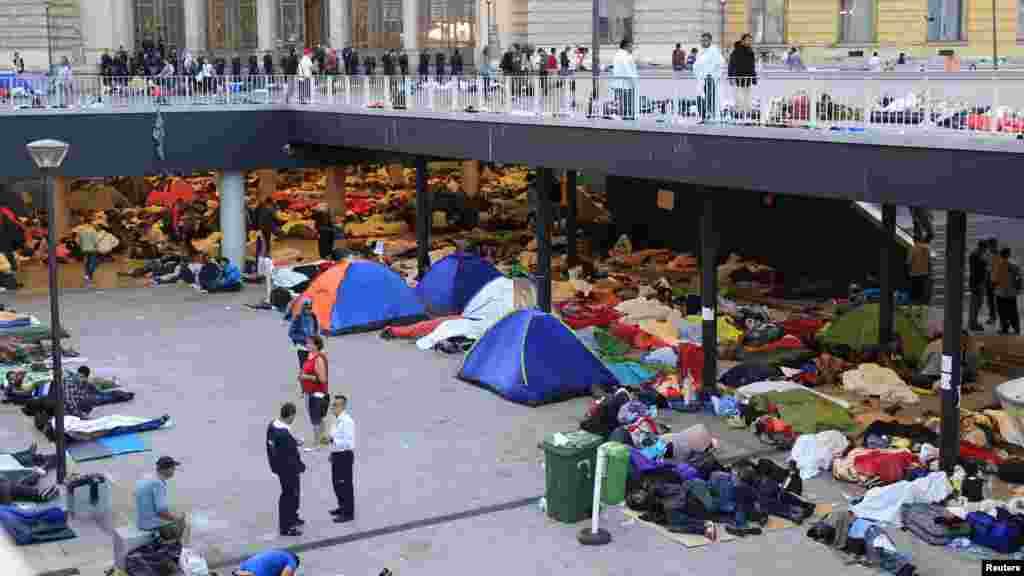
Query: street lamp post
[[48, 156]]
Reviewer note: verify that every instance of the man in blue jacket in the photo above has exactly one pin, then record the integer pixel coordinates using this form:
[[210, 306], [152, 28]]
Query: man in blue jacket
[[303, 325], [285, 461]]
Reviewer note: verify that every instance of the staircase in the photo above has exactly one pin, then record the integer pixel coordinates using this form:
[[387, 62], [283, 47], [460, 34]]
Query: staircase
[[1007, 230]]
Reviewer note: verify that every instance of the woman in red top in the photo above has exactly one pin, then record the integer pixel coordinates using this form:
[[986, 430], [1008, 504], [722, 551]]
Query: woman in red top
[[313, 382]]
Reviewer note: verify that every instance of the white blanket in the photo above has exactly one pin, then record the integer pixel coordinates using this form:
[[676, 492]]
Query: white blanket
[[815, 452], [94, 425], [883, 504]]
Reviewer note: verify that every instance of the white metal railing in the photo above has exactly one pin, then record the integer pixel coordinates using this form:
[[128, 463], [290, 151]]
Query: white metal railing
[[845, 103]]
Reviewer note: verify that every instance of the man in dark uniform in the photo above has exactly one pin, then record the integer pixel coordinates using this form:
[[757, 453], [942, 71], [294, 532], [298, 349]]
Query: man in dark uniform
[[424, 68], [268, 64], [286, 463], [403, 63]]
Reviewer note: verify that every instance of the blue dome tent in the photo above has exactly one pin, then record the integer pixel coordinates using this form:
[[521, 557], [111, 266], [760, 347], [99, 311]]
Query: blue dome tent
[[531, 357], [360, 296], [452, 281]]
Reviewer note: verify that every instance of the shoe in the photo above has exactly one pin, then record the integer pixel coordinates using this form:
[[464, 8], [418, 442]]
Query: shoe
[[342, 518], [300, 522], [293, 531], [335, 512]]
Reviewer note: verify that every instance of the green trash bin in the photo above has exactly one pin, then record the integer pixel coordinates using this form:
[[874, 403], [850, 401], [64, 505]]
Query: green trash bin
[[569, 466], [613, 485]]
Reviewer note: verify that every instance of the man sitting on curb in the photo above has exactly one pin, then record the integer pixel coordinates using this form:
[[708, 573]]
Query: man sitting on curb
[[151, 505], [270, 563]]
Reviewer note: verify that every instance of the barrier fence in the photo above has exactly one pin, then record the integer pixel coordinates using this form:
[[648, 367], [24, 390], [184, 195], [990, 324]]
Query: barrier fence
[[976, 104]]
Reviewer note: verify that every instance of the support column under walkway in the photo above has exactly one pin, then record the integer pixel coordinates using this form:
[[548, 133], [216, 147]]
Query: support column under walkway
[[231, 187]]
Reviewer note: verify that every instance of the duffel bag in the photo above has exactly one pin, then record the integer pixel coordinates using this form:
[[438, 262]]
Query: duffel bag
[[931, 523]]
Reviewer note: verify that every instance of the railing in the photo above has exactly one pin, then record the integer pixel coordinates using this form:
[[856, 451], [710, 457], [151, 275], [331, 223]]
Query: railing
[[977, 104]]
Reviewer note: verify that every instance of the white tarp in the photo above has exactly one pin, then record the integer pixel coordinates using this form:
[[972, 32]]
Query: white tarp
[[495, 300]]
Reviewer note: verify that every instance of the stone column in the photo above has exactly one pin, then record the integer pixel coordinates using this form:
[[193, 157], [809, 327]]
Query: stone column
[[336, 206], [195, 26], [339, 26], [61, 214], [471, 178], [231, 186], [266, 25], [267, 184], [411, 30]]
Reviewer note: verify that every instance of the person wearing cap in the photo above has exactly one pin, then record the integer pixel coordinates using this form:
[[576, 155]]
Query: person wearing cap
[[153, 512], [270, 563], [303, 326]]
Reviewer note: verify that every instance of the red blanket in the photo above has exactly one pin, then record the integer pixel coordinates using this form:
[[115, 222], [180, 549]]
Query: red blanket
[[578, 316], [417, 330], [691, 363]]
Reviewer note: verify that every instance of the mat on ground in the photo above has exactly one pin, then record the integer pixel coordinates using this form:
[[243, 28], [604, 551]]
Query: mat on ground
[[108, 447], [697, 540]]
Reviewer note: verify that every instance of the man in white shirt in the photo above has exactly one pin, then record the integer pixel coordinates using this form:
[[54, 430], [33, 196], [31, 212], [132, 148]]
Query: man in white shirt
[[625, 80], [875, 63], [343, 443], [708, 70]]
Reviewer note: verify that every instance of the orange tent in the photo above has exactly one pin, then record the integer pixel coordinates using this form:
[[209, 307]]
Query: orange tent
[[176, 189], [323, 292]]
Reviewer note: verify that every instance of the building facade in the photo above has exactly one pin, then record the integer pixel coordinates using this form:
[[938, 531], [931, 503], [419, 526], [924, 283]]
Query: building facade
[[83, 29], [824, 29]]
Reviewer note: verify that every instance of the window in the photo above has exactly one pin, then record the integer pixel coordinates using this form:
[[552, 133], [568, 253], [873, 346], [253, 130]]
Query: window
[[448, 24], [289, 23], [857, 21], [157, 20], [248, 35], [945, 20], [767, 21]]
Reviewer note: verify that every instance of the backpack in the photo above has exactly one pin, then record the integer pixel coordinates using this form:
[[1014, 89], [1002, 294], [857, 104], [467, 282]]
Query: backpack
[[231, 276], [1015, 277]]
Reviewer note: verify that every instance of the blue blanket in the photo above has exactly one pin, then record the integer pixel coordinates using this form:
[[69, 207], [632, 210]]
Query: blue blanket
[[35, 526]]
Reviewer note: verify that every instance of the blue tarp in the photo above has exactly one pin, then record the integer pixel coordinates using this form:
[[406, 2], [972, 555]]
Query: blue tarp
[[453, 281], [531, 357], [34, 526], [631, 373]]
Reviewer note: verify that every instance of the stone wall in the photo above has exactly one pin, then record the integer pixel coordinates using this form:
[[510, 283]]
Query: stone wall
[[23, 29]]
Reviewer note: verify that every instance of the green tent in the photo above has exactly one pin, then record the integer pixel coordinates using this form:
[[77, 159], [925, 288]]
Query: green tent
[[858, 328]]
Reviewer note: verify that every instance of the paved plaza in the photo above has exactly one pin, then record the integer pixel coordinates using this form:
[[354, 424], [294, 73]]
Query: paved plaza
[[428, 447]]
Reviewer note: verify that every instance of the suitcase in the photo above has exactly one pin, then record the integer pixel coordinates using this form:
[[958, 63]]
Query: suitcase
[[1002, 534], [920, 520]]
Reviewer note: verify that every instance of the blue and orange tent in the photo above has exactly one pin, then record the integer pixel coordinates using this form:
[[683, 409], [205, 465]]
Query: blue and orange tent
[[452, 281], [531, 357], [359, 296]]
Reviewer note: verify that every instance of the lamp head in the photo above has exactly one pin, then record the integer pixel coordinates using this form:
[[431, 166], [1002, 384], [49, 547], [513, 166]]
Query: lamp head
[[47, 153]]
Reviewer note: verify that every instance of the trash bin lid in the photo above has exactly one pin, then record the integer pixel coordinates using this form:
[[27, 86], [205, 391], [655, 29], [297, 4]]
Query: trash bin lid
[[616, 450], [571, 443]]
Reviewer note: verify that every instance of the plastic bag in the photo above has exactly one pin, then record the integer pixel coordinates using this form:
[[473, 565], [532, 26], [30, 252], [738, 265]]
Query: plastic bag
[[192, 563]]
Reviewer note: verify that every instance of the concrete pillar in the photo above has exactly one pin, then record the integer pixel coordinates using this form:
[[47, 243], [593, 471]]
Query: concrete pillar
[[116, 28], [336, 206], [396, 173], [231, 186], [61, 214], [266, 25], [267, 184], [195, 26], [411, 30], [471, 178], [339, 27]]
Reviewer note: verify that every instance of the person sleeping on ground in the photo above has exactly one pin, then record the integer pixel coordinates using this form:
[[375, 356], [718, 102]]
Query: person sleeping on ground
[[79, 398], [270, 563]]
